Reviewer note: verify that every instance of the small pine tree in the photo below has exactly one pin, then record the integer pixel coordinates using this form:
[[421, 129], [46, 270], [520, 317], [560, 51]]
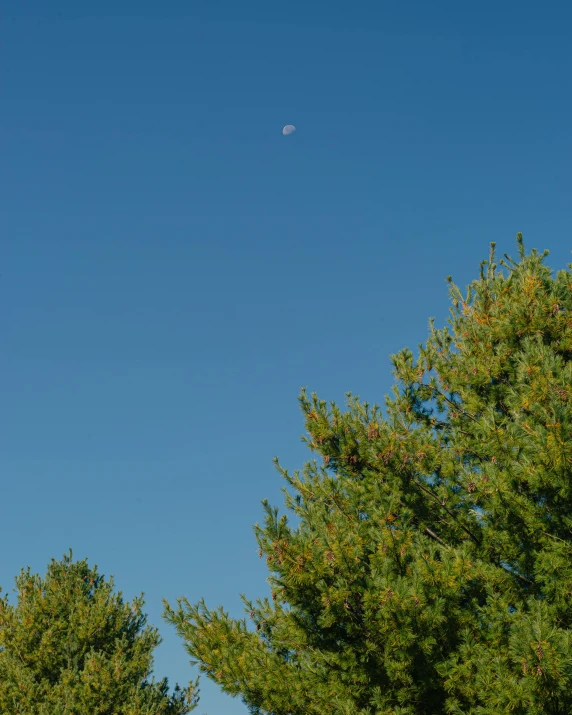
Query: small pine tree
[[71, 646], [430, 568]]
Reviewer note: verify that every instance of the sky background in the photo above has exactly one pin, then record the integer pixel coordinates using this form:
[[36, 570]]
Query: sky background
[[173, 269]]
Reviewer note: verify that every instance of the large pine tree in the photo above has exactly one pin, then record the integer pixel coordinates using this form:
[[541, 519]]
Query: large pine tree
[[70, 645], [429, 569]]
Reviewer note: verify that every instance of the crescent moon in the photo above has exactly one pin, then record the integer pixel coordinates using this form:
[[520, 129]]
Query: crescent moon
[[288, 129]]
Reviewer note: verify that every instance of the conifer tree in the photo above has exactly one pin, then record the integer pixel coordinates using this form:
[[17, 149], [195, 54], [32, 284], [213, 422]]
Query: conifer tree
[[429, 568], [70, 645]]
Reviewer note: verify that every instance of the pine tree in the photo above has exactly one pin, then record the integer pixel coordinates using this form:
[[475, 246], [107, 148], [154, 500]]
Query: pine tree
[[70, 645], [429, 568]]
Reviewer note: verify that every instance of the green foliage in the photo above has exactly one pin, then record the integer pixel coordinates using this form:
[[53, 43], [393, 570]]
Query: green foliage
[[71, 646], [429, 570]]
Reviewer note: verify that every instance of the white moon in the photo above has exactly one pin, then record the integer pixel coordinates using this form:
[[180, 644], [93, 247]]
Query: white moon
[[288, 129]]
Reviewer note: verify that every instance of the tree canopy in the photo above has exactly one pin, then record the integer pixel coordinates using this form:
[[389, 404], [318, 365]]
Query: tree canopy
[[428, 567], [70, 645]]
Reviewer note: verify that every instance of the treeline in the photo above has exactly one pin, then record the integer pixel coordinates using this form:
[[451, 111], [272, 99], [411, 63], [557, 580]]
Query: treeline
[[430, 568]]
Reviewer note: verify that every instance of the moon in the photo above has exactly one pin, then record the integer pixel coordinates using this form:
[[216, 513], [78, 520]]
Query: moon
[[288, 129]]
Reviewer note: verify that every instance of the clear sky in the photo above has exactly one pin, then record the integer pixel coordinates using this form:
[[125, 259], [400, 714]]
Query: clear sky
[[173, 269]]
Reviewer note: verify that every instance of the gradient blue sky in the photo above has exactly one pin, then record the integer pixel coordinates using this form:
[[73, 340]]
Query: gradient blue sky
[[173, 269]]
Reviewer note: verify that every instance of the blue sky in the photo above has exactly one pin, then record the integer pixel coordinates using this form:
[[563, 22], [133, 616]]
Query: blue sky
[[173, 269]]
